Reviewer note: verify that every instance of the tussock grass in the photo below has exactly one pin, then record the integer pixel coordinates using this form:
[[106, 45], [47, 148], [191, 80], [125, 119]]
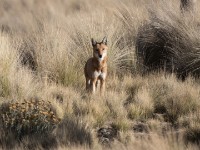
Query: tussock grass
[[169, 42], [45, 44]]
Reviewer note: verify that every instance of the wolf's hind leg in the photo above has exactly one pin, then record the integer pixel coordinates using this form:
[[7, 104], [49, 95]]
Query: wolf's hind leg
[[102, 86]]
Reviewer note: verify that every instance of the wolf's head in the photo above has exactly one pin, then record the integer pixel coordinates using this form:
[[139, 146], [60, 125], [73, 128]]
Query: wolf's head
[[100, 49]]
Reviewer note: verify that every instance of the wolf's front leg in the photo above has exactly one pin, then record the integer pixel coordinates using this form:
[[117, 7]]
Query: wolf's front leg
[[87, 84], [94, 81]]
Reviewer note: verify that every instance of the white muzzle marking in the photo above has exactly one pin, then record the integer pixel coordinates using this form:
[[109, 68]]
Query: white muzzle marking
[[103, 56]]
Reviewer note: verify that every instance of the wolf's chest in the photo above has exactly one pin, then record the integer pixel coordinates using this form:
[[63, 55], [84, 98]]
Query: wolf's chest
[[99, 74]]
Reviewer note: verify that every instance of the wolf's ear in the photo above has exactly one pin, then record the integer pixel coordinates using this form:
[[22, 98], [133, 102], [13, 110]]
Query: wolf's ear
[[104, 41], [93, 42]]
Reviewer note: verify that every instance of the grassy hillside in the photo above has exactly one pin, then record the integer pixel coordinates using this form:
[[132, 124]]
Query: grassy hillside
[[152, 96]]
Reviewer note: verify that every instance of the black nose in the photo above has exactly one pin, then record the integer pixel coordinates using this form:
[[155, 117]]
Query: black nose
[[100, 56]]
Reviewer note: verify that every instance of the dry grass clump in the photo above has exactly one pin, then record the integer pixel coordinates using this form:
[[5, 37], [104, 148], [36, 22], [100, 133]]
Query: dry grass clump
[[73, 131], [162, 95], [187, 5], [16, 81], [140, 103], [190, 123], [169, 42], [174, 99], [8, 59], [43, 49], [192, 134]]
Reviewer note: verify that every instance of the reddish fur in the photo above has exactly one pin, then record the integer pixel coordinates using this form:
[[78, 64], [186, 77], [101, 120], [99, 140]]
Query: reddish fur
[[92, 65]]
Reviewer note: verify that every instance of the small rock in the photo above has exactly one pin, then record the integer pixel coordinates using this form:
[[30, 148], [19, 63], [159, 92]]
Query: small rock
[[140, 128], [106, 134]]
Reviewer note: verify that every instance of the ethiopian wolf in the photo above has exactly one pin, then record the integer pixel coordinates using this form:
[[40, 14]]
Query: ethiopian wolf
[[96, 66]]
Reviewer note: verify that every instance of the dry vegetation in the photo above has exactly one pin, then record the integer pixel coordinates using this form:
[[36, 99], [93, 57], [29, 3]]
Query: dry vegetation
[[44, 45]]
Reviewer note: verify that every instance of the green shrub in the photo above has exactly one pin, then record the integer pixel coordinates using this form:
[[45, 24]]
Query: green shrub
[[28, 117]]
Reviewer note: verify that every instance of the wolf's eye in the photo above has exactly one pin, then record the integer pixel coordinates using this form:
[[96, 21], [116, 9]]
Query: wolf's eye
[[103, 49]]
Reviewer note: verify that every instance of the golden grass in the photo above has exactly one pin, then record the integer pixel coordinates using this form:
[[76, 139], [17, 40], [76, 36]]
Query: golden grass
[[43, 48]]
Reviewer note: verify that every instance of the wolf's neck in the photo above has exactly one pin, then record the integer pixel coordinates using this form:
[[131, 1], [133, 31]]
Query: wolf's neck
[[99, 64]]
